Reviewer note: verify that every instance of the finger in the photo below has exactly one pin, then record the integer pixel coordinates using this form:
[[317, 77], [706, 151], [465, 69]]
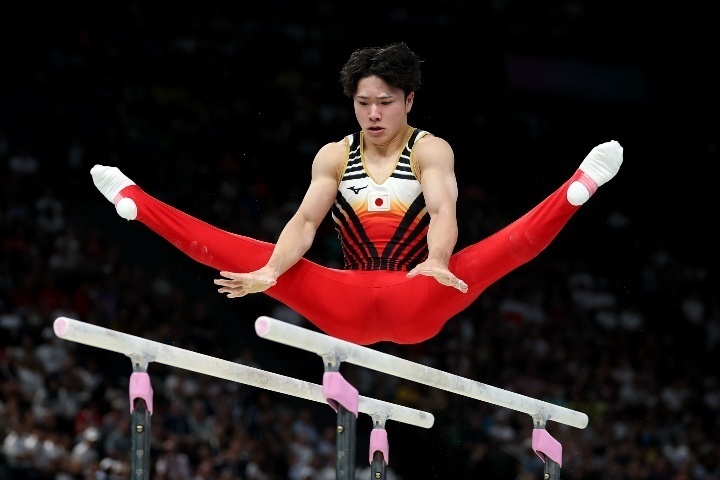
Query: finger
[[430, 273], [460, 285], [236, 276]]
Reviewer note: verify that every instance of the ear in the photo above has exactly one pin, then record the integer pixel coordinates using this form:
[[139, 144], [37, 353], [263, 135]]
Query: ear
[[409, 102]]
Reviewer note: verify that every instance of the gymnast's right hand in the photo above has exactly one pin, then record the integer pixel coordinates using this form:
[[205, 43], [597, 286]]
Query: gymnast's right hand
[[240, 284]]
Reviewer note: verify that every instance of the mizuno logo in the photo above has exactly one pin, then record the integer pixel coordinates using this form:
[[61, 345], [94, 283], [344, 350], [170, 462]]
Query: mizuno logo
[[356, 190]]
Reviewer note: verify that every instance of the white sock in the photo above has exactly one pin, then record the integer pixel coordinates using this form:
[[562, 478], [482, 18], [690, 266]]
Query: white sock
[[110, 181], [599, 166]]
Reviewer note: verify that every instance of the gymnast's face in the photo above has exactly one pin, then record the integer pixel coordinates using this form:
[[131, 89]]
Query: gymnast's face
[[381, 110]]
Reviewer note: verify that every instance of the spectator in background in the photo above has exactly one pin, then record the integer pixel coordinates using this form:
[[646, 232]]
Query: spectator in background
[[20, 447], [86, 452], [172, 464]]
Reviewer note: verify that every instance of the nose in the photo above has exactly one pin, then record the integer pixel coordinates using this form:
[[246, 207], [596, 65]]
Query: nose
[[374, 112]]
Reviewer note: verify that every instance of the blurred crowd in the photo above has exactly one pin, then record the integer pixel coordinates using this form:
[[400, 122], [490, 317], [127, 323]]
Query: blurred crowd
[[612, 320]]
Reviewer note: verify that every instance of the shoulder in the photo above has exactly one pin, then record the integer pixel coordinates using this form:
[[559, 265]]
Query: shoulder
[[429, 142], [333, 151], [331, 158], [432, 150]]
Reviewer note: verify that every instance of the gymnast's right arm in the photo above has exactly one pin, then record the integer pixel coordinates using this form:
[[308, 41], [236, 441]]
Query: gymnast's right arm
[[298, 234]]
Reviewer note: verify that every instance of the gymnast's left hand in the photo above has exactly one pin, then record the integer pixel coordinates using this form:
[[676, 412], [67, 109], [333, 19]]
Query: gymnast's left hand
[[240, 284], [438, 270]]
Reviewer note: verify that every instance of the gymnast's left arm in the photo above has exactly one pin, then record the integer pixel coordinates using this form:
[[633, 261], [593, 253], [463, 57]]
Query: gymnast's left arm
[[436, 164]]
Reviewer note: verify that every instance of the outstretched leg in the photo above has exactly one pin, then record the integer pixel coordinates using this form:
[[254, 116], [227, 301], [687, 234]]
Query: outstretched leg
[[199, 240], [308, 288], [485, 262]]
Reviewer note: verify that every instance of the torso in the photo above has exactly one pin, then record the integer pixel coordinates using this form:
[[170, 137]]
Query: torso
[[379, 210]]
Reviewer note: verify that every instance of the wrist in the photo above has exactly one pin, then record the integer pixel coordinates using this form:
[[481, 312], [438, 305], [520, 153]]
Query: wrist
[[444, 259], [273, 270]]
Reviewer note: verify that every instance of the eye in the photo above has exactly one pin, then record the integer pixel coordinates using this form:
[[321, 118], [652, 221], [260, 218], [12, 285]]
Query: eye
[[388, 102], [363, 103]]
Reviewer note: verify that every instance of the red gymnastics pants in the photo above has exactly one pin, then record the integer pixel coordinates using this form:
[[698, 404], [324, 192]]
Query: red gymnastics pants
[[377, 305]]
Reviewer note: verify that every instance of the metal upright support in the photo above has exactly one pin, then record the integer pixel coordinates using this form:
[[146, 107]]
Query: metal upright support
[[344, 399], [546, 447], [379, 448], [346, 428], [141, 407]]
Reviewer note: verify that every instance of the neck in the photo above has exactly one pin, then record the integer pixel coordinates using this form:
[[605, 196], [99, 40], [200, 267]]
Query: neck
[[397, 140]]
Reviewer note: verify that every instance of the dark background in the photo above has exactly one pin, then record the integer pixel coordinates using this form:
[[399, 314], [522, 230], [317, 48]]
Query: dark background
[[507, 83], [190, 99]]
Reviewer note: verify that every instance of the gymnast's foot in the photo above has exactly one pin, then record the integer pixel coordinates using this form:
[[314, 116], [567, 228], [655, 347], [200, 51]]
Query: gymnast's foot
[[110, 181], [600, 165]]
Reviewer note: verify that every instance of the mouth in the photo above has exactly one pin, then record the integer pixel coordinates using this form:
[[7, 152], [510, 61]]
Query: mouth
[[375, 129]]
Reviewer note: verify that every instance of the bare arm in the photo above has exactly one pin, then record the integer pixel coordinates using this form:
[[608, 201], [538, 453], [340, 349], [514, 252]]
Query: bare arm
[[298, 234], [436, 162]]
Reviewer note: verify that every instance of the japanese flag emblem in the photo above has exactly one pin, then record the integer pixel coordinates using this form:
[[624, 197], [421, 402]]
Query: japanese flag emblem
[[378, 202]]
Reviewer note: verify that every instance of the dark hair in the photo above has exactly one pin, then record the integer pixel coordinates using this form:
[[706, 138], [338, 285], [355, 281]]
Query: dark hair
[[396, 64]]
